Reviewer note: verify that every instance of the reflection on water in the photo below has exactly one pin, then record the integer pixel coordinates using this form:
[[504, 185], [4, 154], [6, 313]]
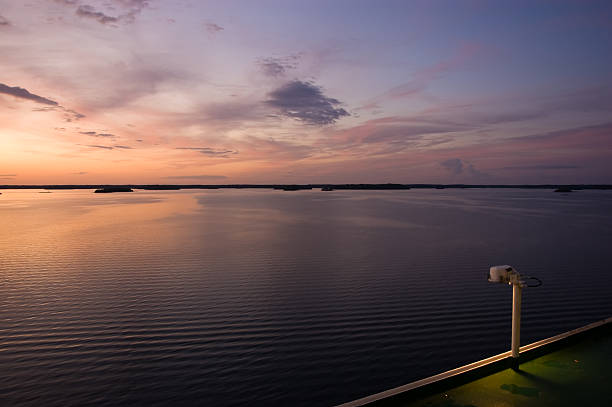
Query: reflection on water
[[233, 297]]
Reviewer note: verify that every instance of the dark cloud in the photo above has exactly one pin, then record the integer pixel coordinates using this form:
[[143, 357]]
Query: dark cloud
[[306, 102], [79, 173], [212, 28], [4, 21], [24, 94], [50, 105], [123, 147], [277, 67], [202, 177], [211, 152]]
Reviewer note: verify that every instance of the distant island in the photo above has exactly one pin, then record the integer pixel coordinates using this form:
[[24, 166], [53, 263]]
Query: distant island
[[299, 187], [117, 188]]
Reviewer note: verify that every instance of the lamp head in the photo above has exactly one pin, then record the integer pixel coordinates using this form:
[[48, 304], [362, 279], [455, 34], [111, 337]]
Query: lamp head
[[502, 274]]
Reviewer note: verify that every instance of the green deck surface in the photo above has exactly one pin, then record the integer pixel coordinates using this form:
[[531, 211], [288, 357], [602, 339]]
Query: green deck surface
[[577, 375]]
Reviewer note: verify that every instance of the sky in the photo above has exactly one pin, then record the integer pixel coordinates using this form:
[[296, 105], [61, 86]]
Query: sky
[[333, 91]]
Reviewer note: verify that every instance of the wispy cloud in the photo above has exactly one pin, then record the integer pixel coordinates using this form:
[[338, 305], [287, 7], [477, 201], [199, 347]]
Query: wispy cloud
[[4, 21], [227, 112], [538, 167], [122, 83], [585, 136], [133, 4], [87, 11], [212, 28], [211, 152], [578, 154], [99, 146], [116, 146], [272, 149], [129, 9], [96, 134], [393, 134], [518, 108], [199, 177], [70, 115], [422, 78], [276, 67], [306, 102]]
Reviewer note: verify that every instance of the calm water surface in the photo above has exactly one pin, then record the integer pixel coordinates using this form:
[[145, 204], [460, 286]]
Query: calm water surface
[[258, 297]]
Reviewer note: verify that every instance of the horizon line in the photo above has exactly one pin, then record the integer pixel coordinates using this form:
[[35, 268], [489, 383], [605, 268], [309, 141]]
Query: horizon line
[[314, 185]]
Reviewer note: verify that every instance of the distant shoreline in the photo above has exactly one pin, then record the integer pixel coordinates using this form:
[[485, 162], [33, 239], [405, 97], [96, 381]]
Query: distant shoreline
[[327, 187]]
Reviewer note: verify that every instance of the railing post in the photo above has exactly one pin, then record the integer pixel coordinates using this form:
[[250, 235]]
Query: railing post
[[516, 319]]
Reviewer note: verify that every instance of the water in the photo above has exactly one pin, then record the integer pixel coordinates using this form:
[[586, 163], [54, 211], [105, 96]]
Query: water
[[258, 297]]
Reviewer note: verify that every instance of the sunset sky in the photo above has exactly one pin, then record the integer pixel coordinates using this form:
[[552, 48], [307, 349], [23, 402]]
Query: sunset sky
[[187, 91]]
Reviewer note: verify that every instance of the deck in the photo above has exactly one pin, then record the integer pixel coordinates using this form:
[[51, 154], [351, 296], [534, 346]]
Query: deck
[[571, 369]]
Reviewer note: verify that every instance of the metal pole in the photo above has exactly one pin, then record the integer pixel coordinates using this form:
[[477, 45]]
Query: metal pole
[[516, 319]]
